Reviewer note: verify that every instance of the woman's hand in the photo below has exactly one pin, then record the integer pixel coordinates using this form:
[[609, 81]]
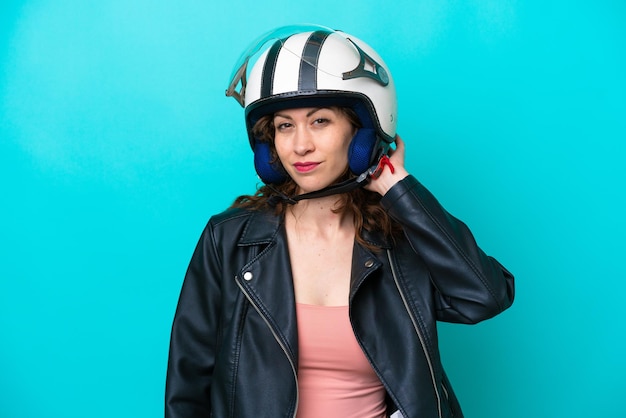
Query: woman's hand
[[387, 179]]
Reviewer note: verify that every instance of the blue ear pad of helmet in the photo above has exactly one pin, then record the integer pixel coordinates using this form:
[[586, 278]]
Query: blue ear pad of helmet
[[363, 145], [270, 173], [361, 150]]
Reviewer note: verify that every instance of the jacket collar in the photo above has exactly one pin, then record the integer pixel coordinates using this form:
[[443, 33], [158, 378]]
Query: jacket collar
[[377, 239], [261, 228]]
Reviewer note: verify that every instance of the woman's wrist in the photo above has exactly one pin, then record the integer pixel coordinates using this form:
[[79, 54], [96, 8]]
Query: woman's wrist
[[387, 180]]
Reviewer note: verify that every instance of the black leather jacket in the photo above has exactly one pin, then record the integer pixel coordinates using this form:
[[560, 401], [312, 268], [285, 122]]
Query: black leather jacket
[[234, 350]]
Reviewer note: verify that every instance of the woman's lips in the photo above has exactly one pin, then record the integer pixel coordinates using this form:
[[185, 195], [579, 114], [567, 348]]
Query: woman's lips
[[305, 167]]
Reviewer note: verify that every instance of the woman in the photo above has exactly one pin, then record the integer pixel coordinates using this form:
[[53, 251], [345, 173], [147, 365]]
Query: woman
[[318, 296]]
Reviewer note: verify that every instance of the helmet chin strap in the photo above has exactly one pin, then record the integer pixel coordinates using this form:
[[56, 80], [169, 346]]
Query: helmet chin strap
[[342, 187]]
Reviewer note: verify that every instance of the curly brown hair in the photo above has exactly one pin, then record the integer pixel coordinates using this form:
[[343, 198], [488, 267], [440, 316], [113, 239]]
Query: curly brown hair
[[364, 205]]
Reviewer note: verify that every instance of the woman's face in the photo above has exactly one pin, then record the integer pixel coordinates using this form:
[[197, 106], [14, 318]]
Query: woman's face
[[312, 144]]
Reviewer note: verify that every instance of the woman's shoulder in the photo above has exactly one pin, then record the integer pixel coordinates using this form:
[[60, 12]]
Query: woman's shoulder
[[233, 214]]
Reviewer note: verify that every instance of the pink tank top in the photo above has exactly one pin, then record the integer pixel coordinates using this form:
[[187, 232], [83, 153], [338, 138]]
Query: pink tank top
[[334, 377]]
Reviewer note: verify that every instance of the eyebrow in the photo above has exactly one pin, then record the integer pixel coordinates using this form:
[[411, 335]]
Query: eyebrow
[[315, 109]]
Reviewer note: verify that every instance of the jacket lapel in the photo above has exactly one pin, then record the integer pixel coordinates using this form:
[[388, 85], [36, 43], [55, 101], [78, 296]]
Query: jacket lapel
[[364, 261], [267, 278]]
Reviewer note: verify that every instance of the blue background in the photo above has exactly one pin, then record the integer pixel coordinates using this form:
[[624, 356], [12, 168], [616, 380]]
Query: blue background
[[117, 144]]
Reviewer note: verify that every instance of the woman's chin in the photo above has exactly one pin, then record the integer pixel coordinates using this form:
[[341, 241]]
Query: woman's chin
[[310, 187]]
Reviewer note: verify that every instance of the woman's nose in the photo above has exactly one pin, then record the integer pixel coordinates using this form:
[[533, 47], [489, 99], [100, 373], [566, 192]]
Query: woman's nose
[[303, 142]]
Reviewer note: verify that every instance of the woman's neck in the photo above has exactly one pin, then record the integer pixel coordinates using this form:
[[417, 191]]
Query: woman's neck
[[316, 216]]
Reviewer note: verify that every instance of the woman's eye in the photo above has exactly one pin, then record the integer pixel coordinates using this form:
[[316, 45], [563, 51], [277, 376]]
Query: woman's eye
[[283, 126], [320, 121]]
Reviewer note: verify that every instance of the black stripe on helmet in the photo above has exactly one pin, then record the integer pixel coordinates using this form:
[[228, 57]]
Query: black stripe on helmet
[[269, 67], [307, 79]]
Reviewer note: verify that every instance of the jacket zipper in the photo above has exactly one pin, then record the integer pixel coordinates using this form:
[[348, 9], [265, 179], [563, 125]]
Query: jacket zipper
[[419, 333], [278, 340], [445, 392]]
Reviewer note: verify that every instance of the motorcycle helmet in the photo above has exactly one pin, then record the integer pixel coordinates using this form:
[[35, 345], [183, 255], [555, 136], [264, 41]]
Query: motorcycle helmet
[[315, 66]]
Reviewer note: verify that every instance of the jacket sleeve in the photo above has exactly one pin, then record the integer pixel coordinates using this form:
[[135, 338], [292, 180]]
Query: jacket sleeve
[[470, 285], [194, 335]]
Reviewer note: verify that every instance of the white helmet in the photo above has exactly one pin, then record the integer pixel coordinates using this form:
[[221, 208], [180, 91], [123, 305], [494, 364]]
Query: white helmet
[[306, 66]]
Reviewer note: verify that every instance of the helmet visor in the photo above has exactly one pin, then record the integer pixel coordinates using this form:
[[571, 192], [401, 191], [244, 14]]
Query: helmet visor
[[238, 78]]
